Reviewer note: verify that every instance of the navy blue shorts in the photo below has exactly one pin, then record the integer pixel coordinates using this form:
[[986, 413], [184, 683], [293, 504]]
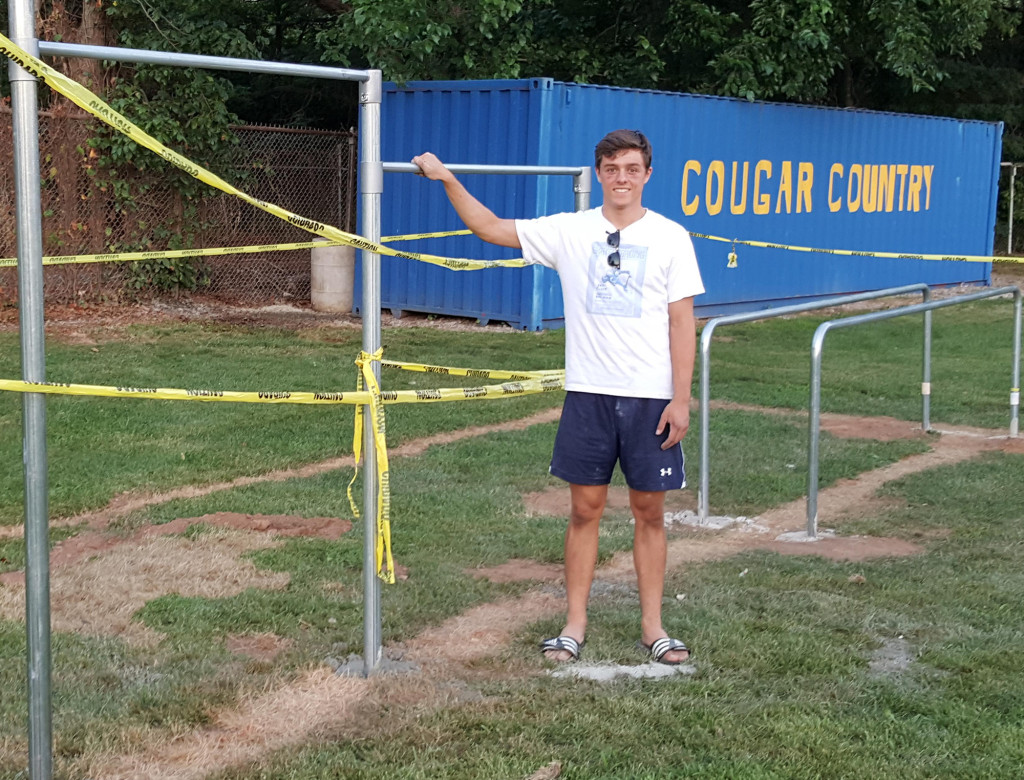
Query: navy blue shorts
[[597, 430]]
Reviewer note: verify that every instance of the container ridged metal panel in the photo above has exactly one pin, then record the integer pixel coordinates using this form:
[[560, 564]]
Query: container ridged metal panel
[[950, 165], [485, 122]]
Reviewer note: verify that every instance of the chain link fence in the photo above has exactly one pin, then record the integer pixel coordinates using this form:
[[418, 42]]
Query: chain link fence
[[85, 211]]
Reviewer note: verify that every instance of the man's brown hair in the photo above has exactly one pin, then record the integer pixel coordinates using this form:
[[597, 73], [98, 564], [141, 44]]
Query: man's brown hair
[[621, 141]]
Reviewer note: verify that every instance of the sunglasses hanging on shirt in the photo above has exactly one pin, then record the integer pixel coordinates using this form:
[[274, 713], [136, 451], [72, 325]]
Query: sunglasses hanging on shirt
[[613, 242]]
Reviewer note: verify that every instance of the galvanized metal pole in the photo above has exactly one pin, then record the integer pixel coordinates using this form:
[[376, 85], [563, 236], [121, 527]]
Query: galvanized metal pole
[[24, 102], [705, 421], [705, 363], [371, 185], [814, 429], [1015, 381], [926, 371], [817, 347], [211, 61], [575, 171], [1009, 233], [582, 187]]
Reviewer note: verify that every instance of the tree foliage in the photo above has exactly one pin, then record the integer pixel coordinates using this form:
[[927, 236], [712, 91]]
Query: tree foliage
[[833, 52], [429, 39], [823, 51], [827, 51], [956, 57]]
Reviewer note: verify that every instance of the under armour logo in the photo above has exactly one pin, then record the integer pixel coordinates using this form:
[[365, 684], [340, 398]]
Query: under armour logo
[[666, 472]]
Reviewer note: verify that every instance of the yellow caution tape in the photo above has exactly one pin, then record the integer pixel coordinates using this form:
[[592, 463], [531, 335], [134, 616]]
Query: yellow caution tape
[[120, 257], [858, 253], [416, 236], [377, 420], [173, 394], [504, 390], [477, 373], [543, 382], [89, 102]]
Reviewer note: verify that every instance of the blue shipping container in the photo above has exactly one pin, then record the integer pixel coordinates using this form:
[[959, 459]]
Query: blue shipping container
[[778, 173]]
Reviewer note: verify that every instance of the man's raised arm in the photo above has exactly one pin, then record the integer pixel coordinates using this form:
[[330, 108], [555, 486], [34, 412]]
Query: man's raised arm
[[478, 218]]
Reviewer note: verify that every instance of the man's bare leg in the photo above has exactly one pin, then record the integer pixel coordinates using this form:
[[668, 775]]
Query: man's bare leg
[[650, 549], [581, 539]]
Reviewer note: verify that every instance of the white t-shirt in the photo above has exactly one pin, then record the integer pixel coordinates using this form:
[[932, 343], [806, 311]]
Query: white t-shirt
[[616, 320]]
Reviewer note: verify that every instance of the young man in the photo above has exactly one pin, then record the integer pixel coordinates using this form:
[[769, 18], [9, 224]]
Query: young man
[[628, 279]]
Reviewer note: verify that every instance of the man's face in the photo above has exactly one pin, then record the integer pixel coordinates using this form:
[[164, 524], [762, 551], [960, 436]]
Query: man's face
[[623, 178]]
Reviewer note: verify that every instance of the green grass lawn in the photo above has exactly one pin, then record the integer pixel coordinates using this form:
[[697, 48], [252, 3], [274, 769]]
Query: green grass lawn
[[98, 448], [786, 686]]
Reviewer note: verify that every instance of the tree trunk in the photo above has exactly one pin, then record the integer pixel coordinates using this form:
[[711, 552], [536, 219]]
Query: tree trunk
[[81, 24]]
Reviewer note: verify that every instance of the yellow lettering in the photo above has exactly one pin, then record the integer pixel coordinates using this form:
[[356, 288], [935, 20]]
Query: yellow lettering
[[834, 204], [752, 187], [741, 207], [870, 189], [690, 207], [716, 179], [886, 186], [785, 188], [762, 203], [804, 182], [914, 191], [901, 171], [856, 174]]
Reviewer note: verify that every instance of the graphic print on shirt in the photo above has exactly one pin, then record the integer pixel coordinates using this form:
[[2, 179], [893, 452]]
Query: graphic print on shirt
[[616, 292]]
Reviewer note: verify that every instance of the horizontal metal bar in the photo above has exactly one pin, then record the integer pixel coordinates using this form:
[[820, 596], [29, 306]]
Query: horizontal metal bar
[[888, 314], [526, 170], [823, 303], [176, 59]]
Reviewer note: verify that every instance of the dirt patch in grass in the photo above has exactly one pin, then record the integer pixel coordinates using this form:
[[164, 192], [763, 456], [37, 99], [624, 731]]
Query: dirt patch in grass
[[99, 596], [260, 647], [518, 570], [94, 543], [309, 707], [479, 632], [848, 548], [99, 580], [279, 525]]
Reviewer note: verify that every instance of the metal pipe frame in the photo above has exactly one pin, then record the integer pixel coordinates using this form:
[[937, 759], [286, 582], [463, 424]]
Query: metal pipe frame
[[1009, 231], [176, 59], [371, 170], [581, 177], [705, 364], [818, 346], [25, 108], [371, 187], [512, 170], [24, 103], [1013, 177]]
